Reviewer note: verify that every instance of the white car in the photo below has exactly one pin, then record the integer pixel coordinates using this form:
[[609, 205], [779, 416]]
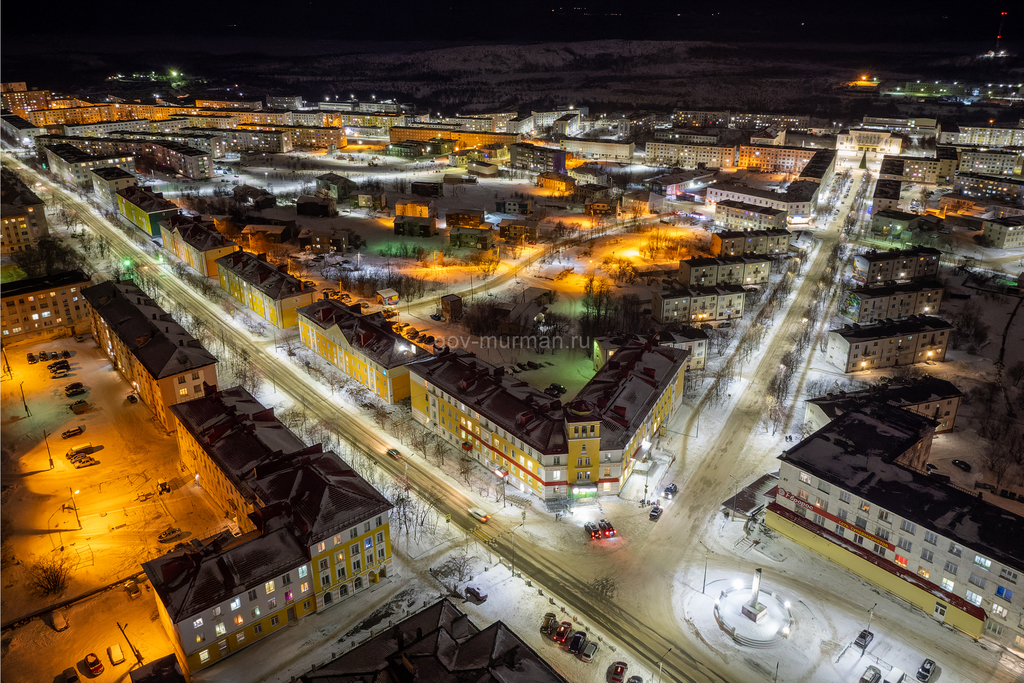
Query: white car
[[481, 516]]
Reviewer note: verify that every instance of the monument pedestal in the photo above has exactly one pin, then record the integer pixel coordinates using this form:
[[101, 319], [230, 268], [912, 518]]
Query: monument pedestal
[[755, 613]]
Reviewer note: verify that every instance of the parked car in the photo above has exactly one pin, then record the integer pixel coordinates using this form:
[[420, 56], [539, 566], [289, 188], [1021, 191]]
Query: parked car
[[552, 392], [549, 622], [94, 664], [925, 671], [74, 431], [65, 354], [59, 374], [116, 654], [430, 339], [871, 675], [523, 366], [71, 676], [393, 452], [60, 622], [75, 392], [606, 528], [59, 365], [169, 534], [592, 529], [533, 366], [930, 468], [400, 326], [72, 386], [132, 588], [864, 639], [412, 333], [655, 513], [422, 338], [562, 634], [32, 360], [579, 639], [557, 387], [476, 594], [617, 672], [85, 462], [481, 516], [435, 317], [43, 356], [671, 490], [635, 679], [965, 466], [589, 651], [132, 398]]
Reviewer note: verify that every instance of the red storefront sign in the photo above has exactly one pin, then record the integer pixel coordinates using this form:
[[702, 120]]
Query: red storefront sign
[[841, 522]]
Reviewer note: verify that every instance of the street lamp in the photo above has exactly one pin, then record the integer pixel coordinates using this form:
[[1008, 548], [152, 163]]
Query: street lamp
[[514, 550], [74, 506], [661, 662]]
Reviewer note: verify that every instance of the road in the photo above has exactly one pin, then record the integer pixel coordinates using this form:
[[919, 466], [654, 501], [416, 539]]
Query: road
[[645, 621]]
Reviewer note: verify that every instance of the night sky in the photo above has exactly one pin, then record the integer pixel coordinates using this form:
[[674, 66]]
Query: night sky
[[868, 21]]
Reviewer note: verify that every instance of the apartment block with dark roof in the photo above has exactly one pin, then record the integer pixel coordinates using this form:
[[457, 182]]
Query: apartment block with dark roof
[[196, 242], [264, 289], [915, 339]]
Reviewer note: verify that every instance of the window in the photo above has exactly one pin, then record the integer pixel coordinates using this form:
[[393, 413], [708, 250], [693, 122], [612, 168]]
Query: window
[[930, 537], [223, 645], [219, 628], [240, 638], [380, 537], [982, 562], [257, 629], [922, 571], [380, 553], [305, 587], [955, 549], [379, 521], [341, 573], [841, 530], [861, 522], [181, 380], [303, 570], [885, 516], [865, 506], [268, 587], [357, 565], [999, 611], [198, 623], [803, 495], [901, 561], [909, 527], [236, 603], [805, 478], [973, 598], [286, 580], [353, 532], [354, 551], [368, 543], [288, 596], [252, 594], [977, 580], [239, 620], [200, 638], [844, 496], [321, 546], [950, 568], [947, 584], [325, 580], [183, 392], [204, 656], [906, 544], [841, 514], [927, 555], [340, 557], [324, 564], [305, 604], [1004, 593], [879, 550], [821, 503], [882, 533], [274, 621], [195, 375], [358, 582], [1008, 574], [824, 486]]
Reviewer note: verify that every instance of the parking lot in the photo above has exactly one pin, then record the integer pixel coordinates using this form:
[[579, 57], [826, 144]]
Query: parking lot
[[105, 516]]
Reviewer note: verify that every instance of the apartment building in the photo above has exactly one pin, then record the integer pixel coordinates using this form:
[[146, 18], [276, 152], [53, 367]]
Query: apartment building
[[1004, 233], [271, 294], [910, 169], [743, 242], [144, 208], [894, 223], [536, 158], [20, 100], [670, 185], [18, 129], [690, 155], [364, 347], [518, 230], [284, 102], [108, 180], [182, 159], [914, 263], [799, 200], [164, 364], [757, 121], [820, 168], [737, 215], [685, 136], [566, 124], [212, 143], [725, 270], [463, 139], [701, 119], [876, 303], [22, 215], [90, 113], [314, 137], [887, 195], [990, 161], [856, 492], [927, 396], [104, 128], [250, 105], [915, 339], [583, 449], [49, 306], [196, 242], [336, 186], [872, 141], [73, 166], [602, 150], [999, 187], [690, 339], [311, 531], [697, 305], [774, 158], [991, 136]]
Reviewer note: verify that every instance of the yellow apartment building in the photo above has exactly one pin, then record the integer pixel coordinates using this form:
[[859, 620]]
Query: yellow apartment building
[[263, 289], [196, 242]]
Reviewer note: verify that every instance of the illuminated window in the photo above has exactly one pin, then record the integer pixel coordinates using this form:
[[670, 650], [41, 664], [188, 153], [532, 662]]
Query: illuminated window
[[204, 656], [236, 603], [197, 623], [304, 587], [239, 620], [947, 584], [303, 570]]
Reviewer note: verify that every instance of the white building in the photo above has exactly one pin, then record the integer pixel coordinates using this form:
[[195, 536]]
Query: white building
[[883, 345], [599, 149]]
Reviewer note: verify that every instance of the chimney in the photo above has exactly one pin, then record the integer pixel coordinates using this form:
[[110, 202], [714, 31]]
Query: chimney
[[620, 410]]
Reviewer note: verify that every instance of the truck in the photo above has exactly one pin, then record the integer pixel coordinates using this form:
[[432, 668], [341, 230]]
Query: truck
[[79, 407]]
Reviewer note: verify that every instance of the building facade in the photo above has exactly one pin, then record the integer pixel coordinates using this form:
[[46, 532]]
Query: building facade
[[742, 242], [144, 208], [698, 304], [799, 200], [927, 396], [22, 215], [914, 263], [164, 364], [690, 155], [1004, 233], [725, 270], [263, 289], [876, 303], [196, 242], [602, 150], [916, 339], [50, 306]]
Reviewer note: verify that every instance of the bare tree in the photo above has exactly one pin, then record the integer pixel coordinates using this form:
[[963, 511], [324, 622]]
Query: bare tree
[[1016, 372], [51, 575]]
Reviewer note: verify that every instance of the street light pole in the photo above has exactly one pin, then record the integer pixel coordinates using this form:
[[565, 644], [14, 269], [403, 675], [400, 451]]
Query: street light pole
[[48, 453], [871, 614], [514, 551], [28, 413], [74, 505], [661, 663], [138, 655]]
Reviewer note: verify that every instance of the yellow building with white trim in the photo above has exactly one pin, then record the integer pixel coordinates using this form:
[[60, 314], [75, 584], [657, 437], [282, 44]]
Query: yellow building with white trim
[[263, 289]]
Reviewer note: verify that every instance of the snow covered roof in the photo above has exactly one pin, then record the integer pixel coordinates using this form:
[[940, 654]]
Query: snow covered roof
[[261, 275], [915, 324], [870, 450], [911, 392], [199, 234], [898, 288], [161, 345], [371, 335], [873, 256], [439, 644]]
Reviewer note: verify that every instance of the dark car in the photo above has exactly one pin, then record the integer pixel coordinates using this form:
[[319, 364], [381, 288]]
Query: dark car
[[73, 386], [430, 339], [965, 466], [94, 664], [671, 490], [132, 398], [75, 392], [924, 673], [592, 529], [656, 513], [393, 452], [523, 366], [43, 356], [65, 354], [557, 387], [71, 676], [533, 366], [930, 468], [552, 392], [606, 528], [31, 358], [579, 639], [74, 431], [435, 317], [864, 639], [59, 365], [562, 634]]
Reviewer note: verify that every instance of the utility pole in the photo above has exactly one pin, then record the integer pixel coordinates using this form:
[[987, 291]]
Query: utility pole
[[661, 663], [75, 506], [871, 614], [48, 454], [28, 413], [138, 655], [514, 550]]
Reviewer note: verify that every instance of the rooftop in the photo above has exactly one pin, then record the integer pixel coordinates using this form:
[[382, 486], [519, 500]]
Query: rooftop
[[750, 208], [37, 284], [891, 254], [706, 261], [369, 334], [900, 288], [198, 234], [161, 345], [888, 189], [261, 275], [110, 173], [860, 451], [146, 199], [896, 215], [896, 393], [70, 154], [915, 324]]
